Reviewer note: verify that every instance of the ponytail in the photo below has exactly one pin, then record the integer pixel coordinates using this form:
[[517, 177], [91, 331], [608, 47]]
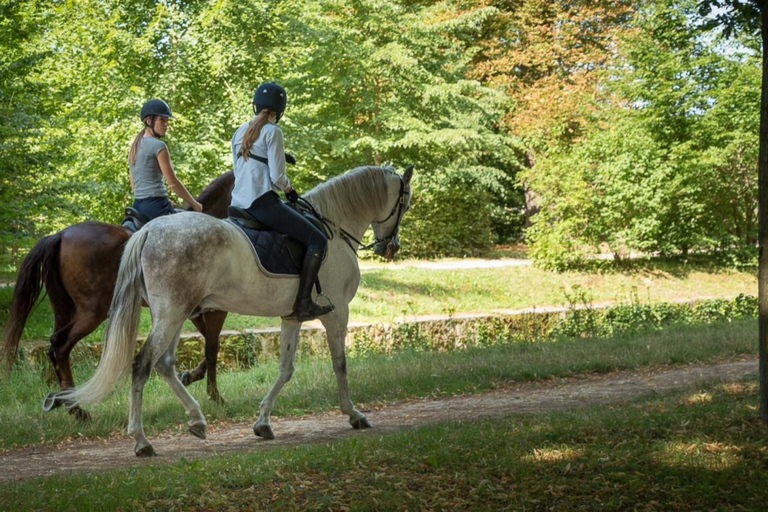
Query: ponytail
[[135, 147], [253, 131]]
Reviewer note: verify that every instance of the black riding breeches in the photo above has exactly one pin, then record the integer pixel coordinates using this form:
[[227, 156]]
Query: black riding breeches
[[153, 207], [273, 213]]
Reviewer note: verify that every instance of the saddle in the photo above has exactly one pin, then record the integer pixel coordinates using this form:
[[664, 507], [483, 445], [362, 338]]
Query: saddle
[[134, 220], [278, 253]]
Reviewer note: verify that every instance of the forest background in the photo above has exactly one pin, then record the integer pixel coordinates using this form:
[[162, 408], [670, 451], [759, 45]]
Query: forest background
[[579, 126]]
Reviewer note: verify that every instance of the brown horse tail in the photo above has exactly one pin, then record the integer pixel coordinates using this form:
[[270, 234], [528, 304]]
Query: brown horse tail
[[39, 267], [122, 328]]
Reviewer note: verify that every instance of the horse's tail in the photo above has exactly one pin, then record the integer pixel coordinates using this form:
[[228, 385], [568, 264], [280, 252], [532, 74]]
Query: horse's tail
[[39, 267], [122, 329]]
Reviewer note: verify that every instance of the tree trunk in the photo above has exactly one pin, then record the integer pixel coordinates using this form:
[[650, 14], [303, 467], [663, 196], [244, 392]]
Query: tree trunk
[[763, 225]]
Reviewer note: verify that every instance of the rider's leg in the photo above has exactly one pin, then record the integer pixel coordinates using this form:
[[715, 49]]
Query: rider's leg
[[270, 211], [153, 207]]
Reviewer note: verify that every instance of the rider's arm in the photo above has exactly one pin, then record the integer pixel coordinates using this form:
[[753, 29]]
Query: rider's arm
[[164, 159], [276, 158], [133, 185]]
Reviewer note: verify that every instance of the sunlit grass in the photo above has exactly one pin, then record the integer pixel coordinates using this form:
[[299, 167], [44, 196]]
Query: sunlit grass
[[656, 454], [699, 455], [386, 295], [374, 379]]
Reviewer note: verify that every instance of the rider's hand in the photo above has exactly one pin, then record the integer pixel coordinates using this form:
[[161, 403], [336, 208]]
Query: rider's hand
[[197, 206], [291, 195]]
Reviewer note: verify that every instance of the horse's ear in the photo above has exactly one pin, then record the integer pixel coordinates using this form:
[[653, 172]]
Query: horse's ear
[[408, 174]]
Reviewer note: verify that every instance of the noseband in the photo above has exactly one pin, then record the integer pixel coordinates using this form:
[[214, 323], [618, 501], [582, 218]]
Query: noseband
[[397, 208]]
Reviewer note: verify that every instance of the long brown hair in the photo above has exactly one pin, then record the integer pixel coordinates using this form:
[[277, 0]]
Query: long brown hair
[[135, 146], [253, 131], [137, 141]]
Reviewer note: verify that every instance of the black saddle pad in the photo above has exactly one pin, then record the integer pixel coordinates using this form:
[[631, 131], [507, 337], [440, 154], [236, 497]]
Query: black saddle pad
[[278, 253]]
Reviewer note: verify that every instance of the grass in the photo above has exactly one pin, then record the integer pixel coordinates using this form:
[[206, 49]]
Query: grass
[[374, 379], [703, 449], [386, 294]]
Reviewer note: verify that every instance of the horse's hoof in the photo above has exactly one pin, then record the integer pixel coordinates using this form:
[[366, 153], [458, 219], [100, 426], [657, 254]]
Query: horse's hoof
[[360, 423], [80, 414], [263, 431], [147, 451], [197, 431], [52, 402], [185, 378]]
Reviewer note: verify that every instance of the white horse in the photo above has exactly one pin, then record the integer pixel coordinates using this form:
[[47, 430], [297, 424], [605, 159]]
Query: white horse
[[186, 263]]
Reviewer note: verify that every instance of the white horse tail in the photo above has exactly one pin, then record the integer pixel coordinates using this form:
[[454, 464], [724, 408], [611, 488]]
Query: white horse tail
[[122, 329]]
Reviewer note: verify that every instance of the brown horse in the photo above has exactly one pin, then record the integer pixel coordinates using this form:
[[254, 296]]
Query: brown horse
[[78, 267]]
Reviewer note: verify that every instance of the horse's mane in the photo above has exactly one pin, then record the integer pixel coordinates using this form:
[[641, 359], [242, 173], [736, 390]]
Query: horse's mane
[[221, 185], [357, 192]]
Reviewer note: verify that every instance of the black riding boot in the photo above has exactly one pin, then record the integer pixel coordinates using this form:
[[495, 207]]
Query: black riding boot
[[305, 308]]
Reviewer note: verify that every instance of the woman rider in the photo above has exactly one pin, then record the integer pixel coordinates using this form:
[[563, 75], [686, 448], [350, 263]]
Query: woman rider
[[149, 162], [259, 159]]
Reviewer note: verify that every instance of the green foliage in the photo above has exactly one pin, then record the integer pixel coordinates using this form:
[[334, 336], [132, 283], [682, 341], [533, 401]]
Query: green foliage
[[669, 166], [699, 449], [368, 82], [584, 321], [663, 159], [450, 216]]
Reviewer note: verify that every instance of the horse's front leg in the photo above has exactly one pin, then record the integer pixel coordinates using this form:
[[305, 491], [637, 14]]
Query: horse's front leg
[[336, 333], [289, 339], [209, 324]]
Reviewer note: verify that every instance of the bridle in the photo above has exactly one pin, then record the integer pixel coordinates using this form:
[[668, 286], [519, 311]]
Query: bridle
[[399, 208]]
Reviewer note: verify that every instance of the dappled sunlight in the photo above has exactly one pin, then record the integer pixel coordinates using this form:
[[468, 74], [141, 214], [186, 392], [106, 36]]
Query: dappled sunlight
[[738, 388], [699, 398], [560, 453], [699, 455]]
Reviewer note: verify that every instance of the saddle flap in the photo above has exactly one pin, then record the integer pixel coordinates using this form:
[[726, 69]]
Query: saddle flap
[[244, 219]]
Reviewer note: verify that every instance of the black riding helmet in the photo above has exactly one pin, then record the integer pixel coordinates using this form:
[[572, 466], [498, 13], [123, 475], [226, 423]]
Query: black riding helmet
[[270, 96], [152, 109], [156, 108]]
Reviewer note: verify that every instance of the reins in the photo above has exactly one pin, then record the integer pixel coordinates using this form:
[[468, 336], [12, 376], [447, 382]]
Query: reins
[[349, 238]]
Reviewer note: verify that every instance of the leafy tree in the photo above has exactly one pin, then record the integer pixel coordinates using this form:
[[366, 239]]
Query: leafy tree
[[552, 56], [665, 167], [368, 82], [23, 109], [387, 82]]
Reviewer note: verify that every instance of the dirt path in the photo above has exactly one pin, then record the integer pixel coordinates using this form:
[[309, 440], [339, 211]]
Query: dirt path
[[223, 439]]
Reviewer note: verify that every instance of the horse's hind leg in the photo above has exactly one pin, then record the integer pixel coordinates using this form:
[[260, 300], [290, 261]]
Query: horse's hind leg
[[161, 338], [166, 368], [63, 341], [336, 331], [289, 339], [210, 325]]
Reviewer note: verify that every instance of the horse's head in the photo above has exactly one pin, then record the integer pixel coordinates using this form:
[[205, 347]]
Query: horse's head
[[387, 231]]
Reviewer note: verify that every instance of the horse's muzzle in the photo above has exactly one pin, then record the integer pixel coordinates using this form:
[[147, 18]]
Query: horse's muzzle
[[387, 249]]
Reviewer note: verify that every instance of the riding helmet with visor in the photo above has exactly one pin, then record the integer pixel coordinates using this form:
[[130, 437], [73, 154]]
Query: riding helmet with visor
[[156, 108], [271, 96], [153, 109]]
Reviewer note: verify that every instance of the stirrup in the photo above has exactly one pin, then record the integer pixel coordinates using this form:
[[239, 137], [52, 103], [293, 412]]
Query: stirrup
[[315, 310]]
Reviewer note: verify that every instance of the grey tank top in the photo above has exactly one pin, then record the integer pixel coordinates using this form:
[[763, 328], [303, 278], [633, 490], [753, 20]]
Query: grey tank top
[[147, 176]]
